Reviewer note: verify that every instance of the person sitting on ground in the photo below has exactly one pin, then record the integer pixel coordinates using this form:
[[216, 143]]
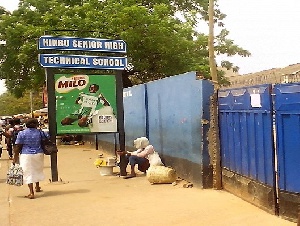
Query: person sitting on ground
[[67, 139], [139, 157], [78, 139]]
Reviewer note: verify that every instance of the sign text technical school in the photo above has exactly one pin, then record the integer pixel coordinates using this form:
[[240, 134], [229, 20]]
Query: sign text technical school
[[82, 61]]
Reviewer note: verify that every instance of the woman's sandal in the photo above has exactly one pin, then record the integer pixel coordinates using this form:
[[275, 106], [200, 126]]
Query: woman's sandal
[[30, 196], [38, 189], [129, 176]]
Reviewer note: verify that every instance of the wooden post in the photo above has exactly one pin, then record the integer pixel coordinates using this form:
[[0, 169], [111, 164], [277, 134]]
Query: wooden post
[[214, 141], [298, 223]]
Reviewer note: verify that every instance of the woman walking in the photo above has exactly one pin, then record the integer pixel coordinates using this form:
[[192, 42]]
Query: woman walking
[[29, 153]]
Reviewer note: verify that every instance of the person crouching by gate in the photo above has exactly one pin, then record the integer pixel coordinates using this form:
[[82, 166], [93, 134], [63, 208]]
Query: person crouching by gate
[[138, 157], [28, 152]]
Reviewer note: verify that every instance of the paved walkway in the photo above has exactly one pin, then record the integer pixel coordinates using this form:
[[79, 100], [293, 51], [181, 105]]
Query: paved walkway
[[83, 197]]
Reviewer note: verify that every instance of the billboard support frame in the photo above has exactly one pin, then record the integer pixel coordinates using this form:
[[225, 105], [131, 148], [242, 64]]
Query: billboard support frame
[[50, 84], [52, 119], [121, 129]]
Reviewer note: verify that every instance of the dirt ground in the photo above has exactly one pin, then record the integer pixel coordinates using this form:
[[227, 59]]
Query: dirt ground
[[83, 197]]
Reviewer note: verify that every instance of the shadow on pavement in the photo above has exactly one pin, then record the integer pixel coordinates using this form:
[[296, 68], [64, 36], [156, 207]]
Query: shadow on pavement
[[2, 180], [56, 193]]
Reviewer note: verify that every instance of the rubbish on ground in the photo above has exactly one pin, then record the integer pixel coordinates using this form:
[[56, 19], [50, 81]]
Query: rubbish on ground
[[183, 183]]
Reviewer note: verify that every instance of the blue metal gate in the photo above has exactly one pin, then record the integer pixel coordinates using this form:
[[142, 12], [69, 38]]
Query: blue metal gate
[[287, 108], [246, 135], [253, 168]]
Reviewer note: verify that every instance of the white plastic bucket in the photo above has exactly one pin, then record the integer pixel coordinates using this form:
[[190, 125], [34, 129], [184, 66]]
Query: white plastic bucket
[[106, 170]]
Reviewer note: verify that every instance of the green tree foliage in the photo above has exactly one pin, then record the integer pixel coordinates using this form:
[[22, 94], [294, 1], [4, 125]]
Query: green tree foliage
[[10, 105], [159, 43]]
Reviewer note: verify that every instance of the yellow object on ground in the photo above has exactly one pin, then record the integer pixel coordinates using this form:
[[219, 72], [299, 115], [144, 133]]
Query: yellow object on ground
[[100, 162]]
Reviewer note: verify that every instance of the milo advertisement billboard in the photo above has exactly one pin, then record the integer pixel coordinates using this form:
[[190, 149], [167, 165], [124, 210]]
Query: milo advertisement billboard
[[85, 103]]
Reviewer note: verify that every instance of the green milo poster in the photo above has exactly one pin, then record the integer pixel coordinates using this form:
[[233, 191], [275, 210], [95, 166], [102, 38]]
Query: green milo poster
[[85, 103]]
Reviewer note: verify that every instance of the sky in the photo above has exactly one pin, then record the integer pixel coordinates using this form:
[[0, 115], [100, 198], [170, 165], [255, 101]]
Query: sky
[[269, 29]]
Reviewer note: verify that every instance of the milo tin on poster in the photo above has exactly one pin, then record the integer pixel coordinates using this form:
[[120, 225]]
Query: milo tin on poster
[[85, 103]]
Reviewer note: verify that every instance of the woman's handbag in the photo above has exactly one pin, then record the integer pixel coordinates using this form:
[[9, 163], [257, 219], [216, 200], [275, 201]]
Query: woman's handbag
[[15, 175], [49, 147]]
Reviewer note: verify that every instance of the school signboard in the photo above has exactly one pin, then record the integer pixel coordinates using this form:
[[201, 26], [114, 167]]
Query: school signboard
[[85, 103], [80, 103], [63, 43], [82, 61], [81, 44]]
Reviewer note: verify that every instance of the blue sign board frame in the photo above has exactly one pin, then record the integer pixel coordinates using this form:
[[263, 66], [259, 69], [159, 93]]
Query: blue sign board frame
[[82, 61], [48, 42]]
